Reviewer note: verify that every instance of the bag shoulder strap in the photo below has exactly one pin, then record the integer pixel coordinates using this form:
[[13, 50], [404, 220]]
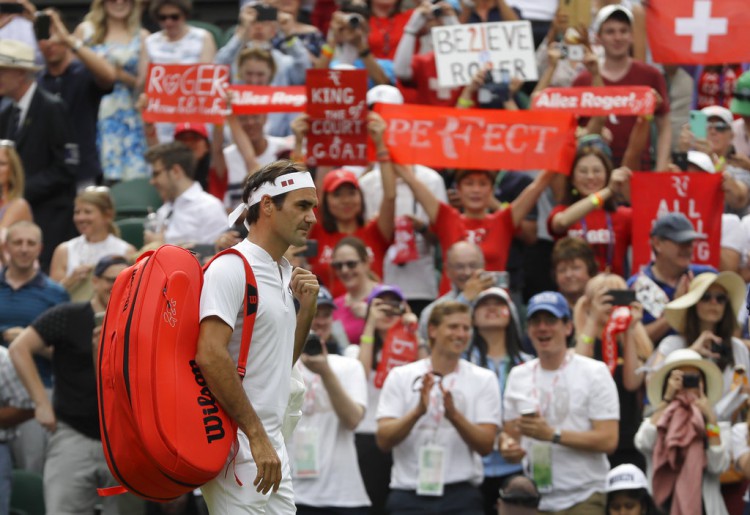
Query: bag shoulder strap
[[251, 308]]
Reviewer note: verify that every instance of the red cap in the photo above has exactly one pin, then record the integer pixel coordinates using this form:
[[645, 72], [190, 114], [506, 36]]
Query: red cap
[[198, 128], [338, 177]]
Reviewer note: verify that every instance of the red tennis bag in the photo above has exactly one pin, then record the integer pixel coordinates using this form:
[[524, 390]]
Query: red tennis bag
[[163, 432]]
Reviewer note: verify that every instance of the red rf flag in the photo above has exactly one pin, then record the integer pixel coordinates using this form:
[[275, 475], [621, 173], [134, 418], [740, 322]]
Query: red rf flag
[[698, 31], [479, 139], [696, 195]]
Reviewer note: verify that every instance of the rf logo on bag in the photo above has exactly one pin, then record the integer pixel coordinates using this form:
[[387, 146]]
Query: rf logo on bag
[[170, 313]]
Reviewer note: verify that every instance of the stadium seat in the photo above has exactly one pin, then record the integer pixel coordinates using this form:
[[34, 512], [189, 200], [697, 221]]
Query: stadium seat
[[27, 493], [134, 198], [215, 31], [131, 230]]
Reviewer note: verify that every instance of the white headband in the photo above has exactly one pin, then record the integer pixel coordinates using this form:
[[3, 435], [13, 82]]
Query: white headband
[[283, 184]]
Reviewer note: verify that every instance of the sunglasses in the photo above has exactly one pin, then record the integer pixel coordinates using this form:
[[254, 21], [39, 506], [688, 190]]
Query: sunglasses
[[742, 96], [718, 126], [340, 265], [173, 17], [720, 298]]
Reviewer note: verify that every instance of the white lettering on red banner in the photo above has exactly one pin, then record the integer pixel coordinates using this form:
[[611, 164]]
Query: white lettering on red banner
[[597, 101], [194, 93]]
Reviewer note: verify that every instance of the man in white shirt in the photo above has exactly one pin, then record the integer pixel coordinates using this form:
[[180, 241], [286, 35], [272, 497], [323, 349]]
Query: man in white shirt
[[279, 201], [326, 472], [560, 414], [189, 214], [439, 415]]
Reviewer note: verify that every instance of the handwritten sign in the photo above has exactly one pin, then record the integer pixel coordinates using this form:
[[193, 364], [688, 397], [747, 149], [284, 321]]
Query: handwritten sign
[[336, 103], [268, 99], [462, 50], [598, 101], [186, 93], [480, 139]]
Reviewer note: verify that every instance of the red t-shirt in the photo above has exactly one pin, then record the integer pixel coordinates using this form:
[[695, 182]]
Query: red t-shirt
[[320, 265], [640, 74], [425, 81], [609, 235], [715, 88], [493, 233], [385, 33]]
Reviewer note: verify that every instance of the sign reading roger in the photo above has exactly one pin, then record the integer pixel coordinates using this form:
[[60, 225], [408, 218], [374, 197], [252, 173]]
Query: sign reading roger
[[186, 92], [601, 101], [337, 106], [461, 50]]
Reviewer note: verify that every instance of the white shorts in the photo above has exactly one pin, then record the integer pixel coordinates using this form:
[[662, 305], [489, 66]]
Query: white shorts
[[225, 497]]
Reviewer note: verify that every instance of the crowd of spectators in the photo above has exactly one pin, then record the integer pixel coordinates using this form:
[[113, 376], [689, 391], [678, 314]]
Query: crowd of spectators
[[483, 342]]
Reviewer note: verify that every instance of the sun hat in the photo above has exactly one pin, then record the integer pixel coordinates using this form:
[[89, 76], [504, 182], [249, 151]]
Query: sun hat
[[741, 98], [18, 55], [686, 358], [676, 311], [625, 477], [606, 12]]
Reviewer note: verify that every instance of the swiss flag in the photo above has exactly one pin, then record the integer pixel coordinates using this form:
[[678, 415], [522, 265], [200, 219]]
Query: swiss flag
[[699, 31]]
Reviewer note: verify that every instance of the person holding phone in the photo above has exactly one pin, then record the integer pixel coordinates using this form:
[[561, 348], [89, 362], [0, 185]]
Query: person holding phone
[[705, 319], [609, 329], [72, 415], [685, 447]]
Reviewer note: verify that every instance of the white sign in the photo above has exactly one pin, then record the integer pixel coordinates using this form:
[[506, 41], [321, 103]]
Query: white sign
[[462, 50]]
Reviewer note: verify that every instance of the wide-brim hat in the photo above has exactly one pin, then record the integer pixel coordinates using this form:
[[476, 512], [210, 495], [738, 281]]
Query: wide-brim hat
[[18, 55], [686, 358], [676, 311]]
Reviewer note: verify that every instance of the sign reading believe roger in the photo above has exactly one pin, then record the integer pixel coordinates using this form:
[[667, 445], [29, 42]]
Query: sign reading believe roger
[[461, 50]]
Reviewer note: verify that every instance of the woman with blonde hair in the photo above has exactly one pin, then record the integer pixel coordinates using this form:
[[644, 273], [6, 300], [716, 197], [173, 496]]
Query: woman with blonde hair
[[112, 28], [705, 319], [74, 260], [615, 335], [13, 207]]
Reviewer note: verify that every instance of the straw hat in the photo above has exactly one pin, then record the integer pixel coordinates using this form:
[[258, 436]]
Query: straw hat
[[16, 54], [686, 358], [676, 311]]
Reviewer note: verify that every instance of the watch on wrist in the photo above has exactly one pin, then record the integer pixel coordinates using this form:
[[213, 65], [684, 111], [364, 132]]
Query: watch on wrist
[[556, 436]]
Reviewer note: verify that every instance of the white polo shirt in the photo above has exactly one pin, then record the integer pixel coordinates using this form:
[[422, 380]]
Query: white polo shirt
[[269, 362], [476, 396]]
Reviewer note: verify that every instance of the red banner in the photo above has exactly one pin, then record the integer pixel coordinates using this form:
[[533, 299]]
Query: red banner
[[602, 101], [268, 99], [698, 196], [337, 107], [401, 347], [186, 93], [479, 139], [698, 31]]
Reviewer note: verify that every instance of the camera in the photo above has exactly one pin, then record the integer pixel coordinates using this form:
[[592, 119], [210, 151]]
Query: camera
[[394, 308], [572, 52], [493, 95], [313, 345], [354, 20], [690, 380]]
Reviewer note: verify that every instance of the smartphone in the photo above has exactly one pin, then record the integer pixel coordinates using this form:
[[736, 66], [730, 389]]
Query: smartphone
[[41, 26], [313, 346], [99, 319], [622, 297], [266, 13], [690, 380], [698, 122], [11, 8], [500, 279], [311, 249], [717, 348]]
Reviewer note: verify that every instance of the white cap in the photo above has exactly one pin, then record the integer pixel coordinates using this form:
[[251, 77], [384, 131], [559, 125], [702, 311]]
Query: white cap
[[384, 94], [625, 477], [606, 12], [719, 112], [701, 160]]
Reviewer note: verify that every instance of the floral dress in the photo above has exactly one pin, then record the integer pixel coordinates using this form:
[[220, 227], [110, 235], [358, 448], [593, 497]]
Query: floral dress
[[120, 137]]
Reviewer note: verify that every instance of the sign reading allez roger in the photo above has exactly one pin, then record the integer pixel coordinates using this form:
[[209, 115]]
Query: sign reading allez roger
[[597, 101], [268, 99], [186, 92], [461, 50], [337, 107]]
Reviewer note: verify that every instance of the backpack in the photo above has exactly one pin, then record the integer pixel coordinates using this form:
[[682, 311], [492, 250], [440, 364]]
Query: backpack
[[163, 432]]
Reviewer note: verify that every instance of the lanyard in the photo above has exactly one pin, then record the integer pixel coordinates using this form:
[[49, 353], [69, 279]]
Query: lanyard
[[610, 243], [436, 408], [545, 402]]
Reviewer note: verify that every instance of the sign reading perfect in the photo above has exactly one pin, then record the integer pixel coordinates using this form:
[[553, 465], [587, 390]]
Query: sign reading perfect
[[601, 101], [186, 93], [462, 50], [268, 99], [337, 107], [480, 139], [696, 195]]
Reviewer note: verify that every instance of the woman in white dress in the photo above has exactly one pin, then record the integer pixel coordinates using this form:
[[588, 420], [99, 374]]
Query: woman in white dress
[[73, 261]]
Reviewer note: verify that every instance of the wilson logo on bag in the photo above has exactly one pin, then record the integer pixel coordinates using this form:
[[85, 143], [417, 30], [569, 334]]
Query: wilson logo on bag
[[163, 432]]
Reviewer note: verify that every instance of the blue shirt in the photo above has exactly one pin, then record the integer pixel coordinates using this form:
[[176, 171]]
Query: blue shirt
[[18, 308]]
